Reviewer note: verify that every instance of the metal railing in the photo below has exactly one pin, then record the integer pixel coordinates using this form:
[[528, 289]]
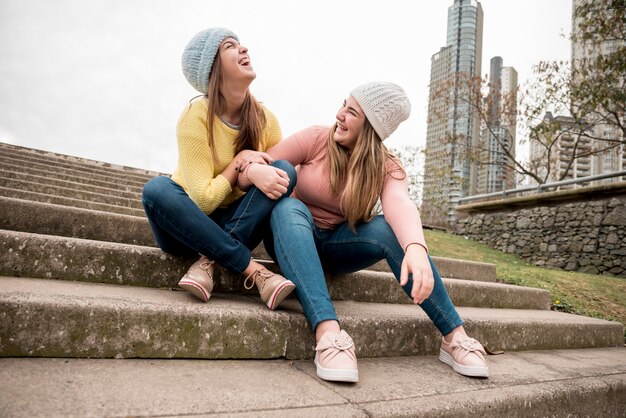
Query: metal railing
[[542, 187]]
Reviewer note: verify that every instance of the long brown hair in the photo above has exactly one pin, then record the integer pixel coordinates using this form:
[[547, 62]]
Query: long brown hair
[[363, 173], [252, 121]]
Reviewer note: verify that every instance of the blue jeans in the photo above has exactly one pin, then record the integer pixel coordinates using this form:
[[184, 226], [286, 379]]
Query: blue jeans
[[227, 235], [305, 251]]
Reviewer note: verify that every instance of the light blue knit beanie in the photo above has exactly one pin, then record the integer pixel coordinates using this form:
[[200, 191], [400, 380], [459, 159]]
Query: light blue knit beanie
[[199, 54]]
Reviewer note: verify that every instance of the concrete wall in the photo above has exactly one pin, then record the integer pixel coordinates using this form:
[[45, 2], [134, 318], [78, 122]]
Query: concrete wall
[[582, 230]]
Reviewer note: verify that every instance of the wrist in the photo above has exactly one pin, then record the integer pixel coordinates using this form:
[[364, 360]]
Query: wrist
[[245, 166], [417, 246], [236, 165], [246, 170]]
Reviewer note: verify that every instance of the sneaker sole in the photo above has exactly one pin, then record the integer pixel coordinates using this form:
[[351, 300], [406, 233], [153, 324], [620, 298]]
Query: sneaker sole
[[280, 293], [194, 288], [471, 371], [337, 375]]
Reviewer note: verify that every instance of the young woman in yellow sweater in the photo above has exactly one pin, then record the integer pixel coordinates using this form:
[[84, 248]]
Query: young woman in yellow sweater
[[201, 210]]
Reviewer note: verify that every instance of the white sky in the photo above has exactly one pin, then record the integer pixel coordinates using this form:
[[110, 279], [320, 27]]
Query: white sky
[[101, 79]]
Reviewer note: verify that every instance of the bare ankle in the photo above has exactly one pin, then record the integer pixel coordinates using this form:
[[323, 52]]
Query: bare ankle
[[326, 326], [252, 267], [448, 337]]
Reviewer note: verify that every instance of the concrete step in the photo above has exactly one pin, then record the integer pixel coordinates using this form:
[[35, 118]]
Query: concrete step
[[457, 269], [54, 318], [53, 257], [9, 162], [378, 286], [582, 382], [71, 192], [69, 184], [68, 201], [117, 184], [42, 218], [50, 219], [83, 164], [448, 267]]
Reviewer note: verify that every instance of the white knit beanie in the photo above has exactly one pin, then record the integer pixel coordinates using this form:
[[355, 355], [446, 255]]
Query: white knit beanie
[[385, 105], [199, 54]]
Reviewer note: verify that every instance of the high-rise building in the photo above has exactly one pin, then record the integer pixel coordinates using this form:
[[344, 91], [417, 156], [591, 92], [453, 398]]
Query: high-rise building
[[453, 125], [605, 160], [555, 163], [497, 137], [578, 149]]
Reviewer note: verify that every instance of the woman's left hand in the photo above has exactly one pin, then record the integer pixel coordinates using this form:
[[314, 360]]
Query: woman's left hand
[[272, 181], [416, 262]]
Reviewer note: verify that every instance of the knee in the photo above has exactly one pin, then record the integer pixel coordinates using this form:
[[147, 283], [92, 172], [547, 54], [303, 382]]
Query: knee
[[152, 189], [291, 172], [155, 191], [288, 210], [382, 227]]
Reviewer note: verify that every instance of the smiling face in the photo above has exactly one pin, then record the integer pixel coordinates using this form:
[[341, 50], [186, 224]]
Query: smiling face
[[235, 61], [350, 120]]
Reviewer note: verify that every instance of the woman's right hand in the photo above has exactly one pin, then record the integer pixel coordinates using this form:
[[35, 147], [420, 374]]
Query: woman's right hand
[[248, 156], [272, 181]]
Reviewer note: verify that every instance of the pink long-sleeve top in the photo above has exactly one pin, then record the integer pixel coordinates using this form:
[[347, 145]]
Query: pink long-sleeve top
[[308, 149]]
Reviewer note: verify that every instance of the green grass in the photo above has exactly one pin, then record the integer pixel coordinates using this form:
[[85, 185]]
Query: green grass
[[578, 293]]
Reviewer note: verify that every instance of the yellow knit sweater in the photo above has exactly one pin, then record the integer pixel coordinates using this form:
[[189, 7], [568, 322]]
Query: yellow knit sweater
[[196, 172]]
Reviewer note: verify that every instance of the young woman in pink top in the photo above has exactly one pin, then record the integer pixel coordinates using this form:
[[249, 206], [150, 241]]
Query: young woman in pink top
[[330, 224]]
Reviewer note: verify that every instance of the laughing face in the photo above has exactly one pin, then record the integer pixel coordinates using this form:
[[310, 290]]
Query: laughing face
[[236, 61], [350, 121]]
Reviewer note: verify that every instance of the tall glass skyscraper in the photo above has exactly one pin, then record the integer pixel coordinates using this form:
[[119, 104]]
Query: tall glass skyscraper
[[453, 126], [498, 135]]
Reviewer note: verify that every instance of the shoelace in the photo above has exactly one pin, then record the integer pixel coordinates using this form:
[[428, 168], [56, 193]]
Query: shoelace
[[260, 276], [206, 265]]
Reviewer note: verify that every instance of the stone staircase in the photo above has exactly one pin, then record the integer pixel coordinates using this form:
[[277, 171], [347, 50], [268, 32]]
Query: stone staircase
[[82, 278]]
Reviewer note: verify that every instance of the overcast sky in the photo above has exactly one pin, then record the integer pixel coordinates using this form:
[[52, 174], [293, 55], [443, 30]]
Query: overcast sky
[[101, 79]]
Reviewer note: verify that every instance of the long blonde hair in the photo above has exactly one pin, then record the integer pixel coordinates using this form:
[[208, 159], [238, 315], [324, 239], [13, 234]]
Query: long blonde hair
[[363, 173], [252, 120]]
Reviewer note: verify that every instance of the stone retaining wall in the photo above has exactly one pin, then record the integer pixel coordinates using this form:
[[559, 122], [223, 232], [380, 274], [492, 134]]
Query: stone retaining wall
[[581, 230]]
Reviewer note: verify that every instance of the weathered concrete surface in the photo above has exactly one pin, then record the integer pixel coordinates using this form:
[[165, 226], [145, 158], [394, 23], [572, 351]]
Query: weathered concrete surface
[[378, 286], [558, 383], [48, 219], [72, 319], [72, 183], [54, 257], [34, 156], [69, 319], [447, 267], [73, 192], [66, 221], [455, 269], [587, 382], [68, 201], [74, 174]]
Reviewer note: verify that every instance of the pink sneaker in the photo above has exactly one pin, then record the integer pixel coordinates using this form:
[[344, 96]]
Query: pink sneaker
[[273, 287], [465, 355], [335, 358], [199, 279]]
